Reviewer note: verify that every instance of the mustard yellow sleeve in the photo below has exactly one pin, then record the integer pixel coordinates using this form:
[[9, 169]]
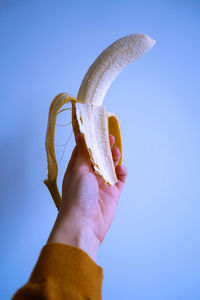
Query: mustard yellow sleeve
[[63, 272]]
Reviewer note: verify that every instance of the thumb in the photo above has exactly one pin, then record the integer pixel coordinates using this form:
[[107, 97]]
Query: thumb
[[83, 157]]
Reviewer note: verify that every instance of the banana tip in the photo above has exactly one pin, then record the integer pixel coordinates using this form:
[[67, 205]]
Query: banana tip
[[146, 40], [151, 42]]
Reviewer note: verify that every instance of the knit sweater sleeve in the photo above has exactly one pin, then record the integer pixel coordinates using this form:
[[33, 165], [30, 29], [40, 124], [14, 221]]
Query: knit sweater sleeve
[[63, 272]]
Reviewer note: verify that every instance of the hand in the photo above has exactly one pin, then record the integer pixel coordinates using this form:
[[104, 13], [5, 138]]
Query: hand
[[88, 203]]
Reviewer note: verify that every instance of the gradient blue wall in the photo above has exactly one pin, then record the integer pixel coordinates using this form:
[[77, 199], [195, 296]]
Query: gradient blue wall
[[152, 249]]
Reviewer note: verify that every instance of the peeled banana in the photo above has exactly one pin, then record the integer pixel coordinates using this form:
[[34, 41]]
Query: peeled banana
[[89, 116]]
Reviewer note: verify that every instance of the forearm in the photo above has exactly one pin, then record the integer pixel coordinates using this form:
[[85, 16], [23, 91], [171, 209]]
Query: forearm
[[69, 231]]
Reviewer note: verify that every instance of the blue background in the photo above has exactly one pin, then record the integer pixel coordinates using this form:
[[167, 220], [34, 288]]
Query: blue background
[[152, 250]]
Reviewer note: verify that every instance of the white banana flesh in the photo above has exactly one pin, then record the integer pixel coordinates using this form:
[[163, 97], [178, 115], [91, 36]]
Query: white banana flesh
[[91, 95], [109, 64], [93, 123]]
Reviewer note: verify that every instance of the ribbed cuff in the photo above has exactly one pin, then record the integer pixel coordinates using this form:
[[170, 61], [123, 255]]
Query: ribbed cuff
[[68, 265]]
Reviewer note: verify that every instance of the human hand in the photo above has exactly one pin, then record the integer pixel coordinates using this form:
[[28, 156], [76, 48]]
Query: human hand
[[88, 204]]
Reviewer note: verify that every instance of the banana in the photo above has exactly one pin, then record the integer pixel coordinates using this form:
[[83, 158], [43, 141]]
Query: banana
[[89, 116], [109, 64]]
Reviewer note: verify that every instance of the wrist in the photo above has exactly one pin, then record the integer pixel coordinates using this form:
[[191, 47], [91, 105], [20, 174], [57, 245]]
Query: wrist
[[70, 232]]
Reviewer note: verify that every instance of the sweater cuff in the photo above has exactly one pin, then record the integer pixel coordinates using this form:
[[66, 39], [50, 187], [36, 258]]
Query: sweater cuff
[[68, 265]]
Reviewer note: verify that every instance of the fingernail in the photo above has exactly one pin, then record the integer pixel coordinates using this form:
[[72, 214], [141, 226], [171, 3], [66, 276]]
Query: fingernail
[[111, 137]]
